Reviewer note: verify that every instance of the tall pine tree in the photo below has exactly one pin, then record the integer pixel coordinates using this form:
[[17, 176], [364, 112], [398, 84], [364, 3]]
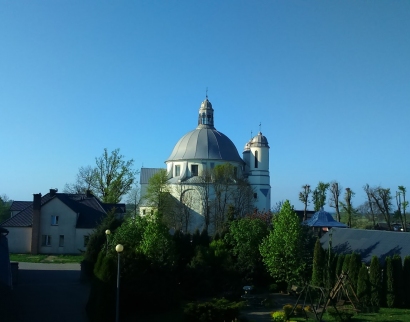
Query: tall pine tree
[[390, 294], [318, 265], [406, 281], [363, 286]]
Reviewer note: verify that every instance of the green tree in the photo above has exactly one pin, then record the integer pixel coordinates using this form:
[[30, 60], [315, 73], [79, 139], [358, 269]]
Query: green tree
[[304, 198], [363, 286], [346, 263], [354, 267], [406, 281], [347, 206], [281, 250], [375, 282], [390, 294], [110, 179], [158, 194], [244, 236], [339, 266], [319, 195], [5, 204], [319, 265], [398, 280]]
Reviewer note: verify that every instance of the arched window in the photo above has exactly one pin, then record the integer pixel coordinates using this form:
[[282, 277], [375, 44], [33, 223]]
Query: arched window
[[256, 159]]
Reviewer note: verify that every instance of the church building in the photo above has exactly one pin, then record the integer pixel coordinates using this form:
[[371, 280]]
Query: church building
[[197, 153]]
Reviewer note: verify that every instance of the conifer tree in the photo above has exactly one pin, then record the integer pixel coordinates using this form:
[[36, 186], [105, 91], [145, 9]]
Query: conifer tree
[[339, 265], [318, 264], [406, 281], [398, 281], [390, 294], [363, 286], [375, 282], [346, 263], [354, 268]]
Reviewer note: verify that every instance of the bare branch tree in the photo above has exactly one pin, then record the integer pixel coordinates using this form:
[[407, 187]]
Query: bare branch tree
[[304, 198], [335, 190], [347, 206], [382, 200]]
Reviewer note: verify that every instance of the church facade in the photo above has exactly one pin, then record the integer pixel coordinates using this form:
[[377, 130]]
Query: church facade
[[196, 154]]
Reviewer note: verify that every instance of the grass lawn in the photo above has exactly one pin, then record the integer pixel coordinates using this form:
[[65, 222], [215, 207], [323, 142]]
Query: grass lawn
[[42, 258], [384, 314]]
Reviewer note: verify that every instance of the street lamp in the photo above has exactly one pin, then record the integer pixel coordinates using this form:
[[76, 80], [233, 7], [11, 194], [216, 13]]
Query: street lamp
[[119, 248], [107, 232]]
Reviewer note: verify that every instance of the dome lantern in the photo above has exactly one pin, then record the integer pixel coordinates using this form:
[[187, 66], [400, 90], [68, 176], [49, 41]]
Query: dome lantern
[[206, 114]]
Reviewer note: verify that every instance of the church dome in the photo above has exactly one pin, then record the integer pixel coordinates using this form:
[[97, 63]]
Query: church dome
[[205, 142], [260, 140]]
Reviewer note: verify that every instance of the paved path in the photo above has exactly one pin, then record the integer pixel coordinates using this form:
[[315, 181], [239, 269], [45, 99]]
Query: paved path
[[48, 293]]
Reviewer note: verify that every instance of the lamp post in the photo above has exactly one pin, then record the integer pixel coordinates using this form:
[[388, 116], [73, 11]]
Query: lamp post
[[107, 232], [119, 248]]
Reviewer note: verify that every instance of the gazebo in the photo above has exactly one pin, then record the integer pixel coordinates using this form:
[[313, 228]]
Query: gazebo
[[323, 221]]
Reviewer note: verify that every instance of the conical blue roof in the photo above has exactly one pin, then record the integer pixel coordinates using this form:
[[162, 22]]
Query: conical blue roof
[[323, 219]]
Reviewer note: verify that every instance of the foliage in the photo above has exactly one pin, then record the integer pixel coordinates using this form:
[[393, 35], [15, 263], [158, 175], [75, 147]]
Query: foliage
[[279, 316], [5, 204], [375, 280], [281, 250], [346, 263], [347, 206], [363, 286], [216, 310], [110, 179], [158, 194], [339, 266], [287, 308], [245, 236], [398, 281], [355, 264], [390, 294], [319, 195], [304, 198], [406, 281], [97, 241], [318, 265]]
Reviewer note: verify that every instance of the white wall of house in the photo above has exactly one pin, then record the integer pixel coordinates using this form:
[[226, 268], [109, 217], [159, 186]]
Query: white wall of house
[[66, 227], [19, 239], [80, 235]]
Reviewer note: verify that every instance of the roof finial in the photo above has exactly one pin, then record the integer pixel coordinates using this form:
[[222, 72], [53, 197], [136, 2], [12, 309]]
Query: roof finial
[[207, 92], [260, 125], [251, 134]]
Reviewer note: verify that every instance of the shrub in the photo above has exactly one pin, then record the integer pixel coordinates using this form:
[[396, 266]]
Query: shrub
[[406, 281], [390, 296], [363, 286], [318, 264], [375, 282], [287, 309], [398, 281], [278, 316], [340, 315], [216, 310], [299, 309]]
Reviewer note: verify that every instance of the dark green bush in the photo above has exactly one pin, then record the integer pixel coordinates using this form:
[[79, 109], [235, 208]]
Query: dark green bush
[[375, 282], [390, 295], [216, 310], [406, 281]]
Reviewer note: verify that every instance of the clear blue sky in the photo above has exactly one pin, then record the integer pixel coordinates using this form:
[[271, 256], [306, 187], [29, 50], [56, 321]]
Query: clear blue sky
[[329, 80]]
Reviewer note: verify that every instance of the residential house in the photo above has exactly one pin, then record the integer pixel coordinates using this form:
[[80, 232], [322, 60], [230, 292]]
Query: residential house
[[56, 223], [367, 243]]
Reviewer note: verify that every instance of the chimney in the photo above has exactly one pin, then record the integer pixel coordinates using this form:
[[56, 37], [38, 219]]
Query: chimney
[[35, 230], [89, 194], [53, 192]]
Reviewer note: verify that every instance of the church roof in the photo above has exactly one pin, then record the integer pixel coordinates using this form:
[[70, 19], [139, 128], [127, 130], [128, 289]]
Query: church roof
[[323, 219], [205, 142]]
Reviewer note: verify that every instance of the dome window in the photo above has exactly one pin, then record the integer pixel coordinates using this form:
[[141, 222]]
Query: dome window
[[177, 170], [194, 170], [256, 159]]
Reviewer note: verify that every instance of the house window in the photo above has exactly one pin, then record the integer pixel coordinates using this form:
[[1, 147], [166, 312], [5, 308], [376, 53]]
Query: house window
[[61, 241], [143, 212], [86, 240], [255, 195], [177, 170], [256, 159], [54, 220], [152, 212], [194, 170], [46, 240], [235, 172]]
